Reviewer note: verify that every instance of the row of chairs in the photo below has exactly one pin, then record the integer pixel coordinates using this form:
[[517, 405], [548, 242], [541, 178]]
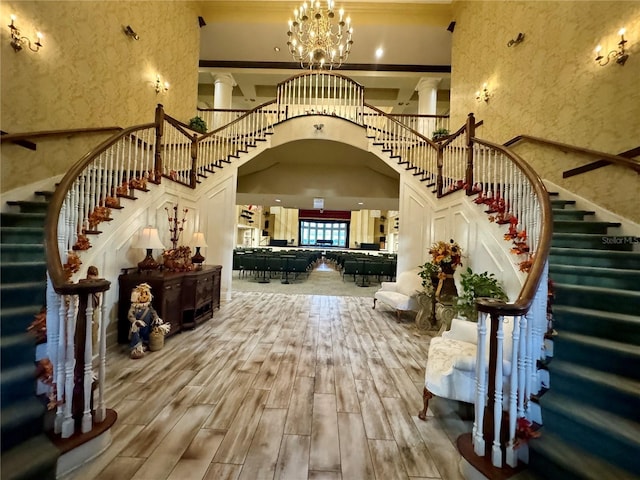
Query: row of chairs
[[363, 267], [265, 265]]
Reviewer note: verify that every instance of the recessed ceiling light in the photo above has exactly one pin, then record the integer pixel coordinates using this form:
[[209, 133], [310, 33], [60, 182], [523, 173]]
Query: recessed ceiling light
[[276, 49], [278, 200], [379, 52], [360, 203]]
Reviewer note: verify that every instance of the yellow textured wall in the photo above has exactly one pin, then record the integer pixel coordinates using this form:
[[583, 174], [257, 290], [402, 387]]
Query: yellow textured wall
[[90, 74], [550, 86]]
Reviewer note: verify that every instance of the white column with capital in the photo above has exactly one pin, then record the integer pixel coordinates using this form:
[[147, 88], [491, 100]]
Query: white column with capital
[[223, 84], [427, 89]]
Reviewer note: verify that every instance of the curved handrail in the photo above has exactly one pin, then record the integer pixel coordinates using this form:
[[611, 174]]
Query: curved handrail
[[315, 72], [237, 120], [528, 291], [397, 122], [14, 137], [52, 251], [616, 159]]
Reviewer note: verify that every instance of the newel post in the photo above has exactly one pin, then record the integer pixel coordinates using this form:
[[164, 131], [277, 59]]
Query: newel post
[[439, 180], [157, 168], [194, 159], [471, 133]]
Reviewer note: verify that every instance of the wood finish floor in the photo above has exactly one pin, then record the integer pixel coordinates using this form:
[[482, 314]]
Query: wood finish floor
[[280, 386]]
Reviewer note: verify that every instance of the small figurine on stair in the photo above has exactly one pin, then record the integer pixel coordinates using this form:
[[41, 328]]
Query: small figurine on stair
[[144, 319]]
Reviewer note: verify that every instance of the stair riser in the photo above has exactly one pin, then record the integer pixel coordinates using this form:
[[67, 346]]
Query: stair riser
[[615, 301], [598, 327], [17, 390], [631, 262], [622, 281], [581, 227], [588, 242], [18, 353], [22, 220], [21, 236], [22, 253], [33, 207], [570, 215], [611, 448], [566, 204], [608, 360], [547, 469], [30, 295], [601, 396], [13, 435], [17, 323], [23, 273]]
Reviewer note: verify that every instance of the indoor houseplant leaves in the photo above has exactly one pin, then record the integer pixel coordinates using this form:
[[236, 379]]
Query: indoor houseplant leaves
[[475, 285]]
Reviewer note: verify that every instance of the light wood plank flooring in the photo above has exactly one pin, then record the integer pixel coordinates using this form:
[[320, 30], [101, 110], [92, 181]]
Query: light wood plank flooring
[[280, 386]]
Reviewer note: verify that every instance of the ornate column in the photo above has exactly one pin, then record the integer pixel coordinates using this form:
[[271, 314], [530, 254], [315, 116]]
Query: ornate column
[[427, 89], [223, 84]]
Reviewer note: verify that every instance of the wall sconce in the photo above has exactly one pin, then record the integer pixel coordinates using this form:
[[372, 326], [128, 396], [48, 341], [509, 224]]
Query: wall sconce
[[160, 86], [18, 41], [148, 239], [198, 242], [128, 31], [516, 41], [619, 55], [483, 95]]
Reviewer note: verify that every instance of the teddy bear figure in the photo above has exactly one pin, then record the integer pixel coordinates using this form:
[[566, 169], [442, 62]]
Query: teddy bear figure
[[143, 318]]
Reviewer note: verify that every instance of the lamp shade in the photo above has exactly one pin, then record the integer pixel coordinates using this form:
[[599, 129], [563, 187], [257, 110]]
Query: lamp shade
[[148, 239], [198, 240]]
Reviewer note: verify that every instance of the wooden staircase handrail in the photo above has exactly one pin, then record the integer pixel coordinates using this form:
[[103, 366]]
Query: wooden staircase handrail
[[418, 134], [315, 72], [616, 159], [52, 251], [237, 120], [15, 137], [528, 291]]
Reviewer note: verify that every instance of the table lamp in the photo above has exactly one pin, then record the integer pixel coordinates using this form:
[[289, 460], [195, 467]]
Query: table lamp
[[148, 239], [198, 242]]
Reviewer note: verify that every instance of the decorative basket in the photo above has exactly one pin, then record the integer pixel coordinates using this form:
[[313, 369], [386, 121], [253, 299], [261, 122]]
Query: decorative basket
[[156, 340]]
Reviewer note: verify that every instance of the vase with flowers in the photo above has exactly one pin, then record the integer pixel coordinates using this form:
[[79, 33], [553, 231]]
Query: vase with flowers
[[447, 256]]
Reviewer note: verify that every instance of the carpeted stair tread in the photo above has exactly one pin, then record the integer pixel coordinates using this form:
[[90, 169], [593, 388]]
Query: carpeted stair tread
[[625, 385], [15, 349], [17, 382], [604, 324], [579, 226], [21, 421], [603, 343], [594, 257], [587, 296], [21, 219], [575, 462], [570, 214], [593, 241], [34, 459], [618, 427], [595, 276]]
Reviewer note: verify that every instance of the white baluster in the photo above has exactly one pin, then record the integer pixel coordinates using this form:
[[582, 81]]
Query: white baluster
[[496, 450], [481, 387], [70, 363], [511, 455], [61, 363], [87, 420]]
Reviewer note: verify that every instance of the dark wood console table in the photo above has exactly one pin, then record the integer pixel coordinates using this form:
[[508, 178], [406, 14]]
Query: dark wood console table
[[183, 299]]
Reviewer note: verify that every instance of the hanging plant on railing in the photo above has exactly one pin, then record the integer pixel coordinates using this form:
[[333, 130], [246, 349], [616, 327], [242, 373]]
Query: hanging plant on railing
[[197, 124]]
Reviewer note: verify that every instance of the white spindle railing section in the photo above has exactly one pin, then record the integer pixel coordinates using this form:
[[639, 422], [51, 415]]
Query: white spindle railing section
[[407, 145], [176, 152], [527, 336], [323, 93], [454, 164], [219, 117], [424, 124]]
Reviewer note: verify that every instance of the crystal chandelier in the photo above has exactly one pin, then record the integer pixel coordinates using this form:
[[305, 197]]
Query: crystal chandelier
[[317, 39]]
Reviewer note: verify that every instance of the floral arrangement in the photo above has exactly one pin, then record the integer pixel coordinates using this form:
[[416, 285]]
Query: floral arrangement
[[71, 266], [98, 215], [123, 189], [177, 259], [139, 183], [82, 243], [446, 256], [111, 202], [38, 326], [44, 373], [524, 431]]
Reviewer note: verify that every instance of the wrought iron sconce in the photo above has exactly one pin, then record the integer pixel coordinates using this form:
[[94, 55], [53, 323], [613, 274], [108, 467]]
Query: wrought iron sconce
[[516, 41], [128, 31], [18, 40], [619, 55], [161, 86], [483, 95]]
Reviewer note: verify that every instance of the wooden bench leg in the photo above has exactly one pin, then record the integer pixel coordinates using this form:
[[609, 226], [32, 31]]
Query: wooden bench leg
[[374, 303], [426, 396]]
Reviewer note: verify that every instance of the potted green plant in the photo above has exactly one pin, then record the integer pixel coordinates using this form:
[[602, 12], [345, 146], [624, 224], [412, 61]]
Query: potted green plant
[[198, 124], [475, 285], [439, 134], [429, 274]]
